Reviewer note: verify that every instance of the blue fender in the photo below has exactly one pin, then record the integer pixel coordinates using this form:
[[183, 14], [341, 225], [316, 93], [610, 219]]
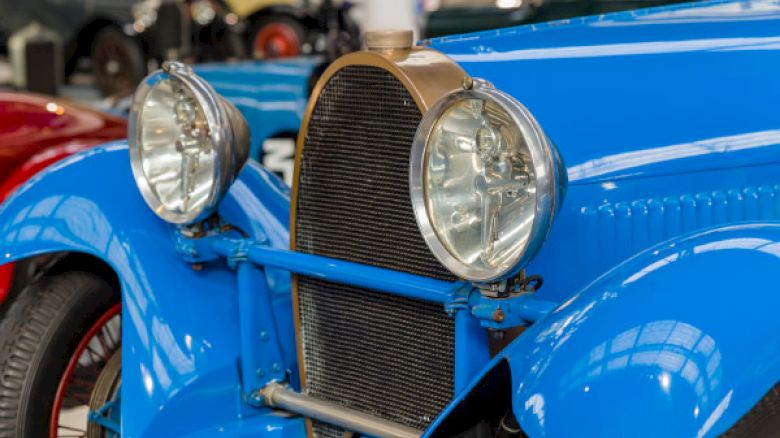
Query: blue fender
[[180, 328], [680, 340]]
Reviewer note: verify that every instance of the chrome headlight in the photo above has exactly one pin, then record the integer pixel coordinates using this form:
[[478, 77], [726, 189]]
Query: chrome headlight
[[484, 182], [187, 144]]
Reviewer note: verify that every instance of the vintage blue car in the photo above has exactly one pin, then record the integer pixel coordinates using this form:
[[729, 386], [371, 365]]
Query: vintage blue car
[[551, 230]]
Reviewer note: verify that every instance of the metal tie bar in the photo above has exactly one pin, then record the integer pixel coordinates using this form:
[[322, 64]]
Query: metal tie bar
[[279, 396]]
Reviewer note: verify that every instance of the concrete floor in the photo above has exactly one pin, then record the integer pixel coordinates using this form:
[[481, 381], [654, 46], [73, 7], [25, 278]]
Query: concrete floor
[[74, 420]]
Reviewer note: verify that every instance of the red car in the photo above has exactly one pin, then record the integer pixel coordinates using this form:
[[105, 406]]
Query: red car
[[36, 131]]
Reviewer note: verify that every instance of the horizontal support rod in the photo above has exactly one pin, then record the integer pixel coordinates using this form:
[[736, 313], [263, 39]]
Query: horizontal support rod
[[279, 396], [344, 272]]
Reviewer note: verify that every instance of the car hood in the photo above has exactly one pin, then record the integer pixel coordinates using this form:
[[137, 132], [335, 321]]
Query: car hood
[[656, 91]]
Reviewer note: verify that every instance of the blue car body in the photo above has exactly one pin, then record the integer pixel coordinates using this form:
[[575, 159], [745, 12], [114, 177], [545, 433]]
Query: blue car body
[[659, 265]]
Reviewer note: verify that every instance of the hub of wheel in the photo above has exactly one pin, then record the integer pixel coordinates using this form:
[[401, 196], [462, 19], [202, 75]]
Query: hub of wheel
[[104, 404]]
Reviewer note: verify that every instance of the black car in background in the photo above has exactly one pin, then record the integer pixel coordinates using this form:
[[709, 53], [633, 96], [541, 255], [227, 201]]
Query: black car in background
[[123, 37], [448, 17], [288, 28]]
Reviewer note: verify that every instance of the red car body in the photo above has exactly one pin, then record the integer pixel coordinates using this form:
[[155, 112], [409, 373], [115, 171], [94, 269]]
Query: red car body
[[36, 131]]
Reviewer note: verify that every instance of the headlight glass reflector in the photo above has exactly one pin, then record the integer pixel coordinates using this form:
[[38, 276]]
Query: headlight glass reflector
[[186, 144], [483, 183], [177, 156]]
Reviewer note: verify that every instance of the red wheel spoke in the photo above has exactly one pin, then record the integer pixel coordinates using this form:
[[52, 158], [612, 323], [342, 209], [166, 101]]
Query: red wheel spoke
[[78, 380]]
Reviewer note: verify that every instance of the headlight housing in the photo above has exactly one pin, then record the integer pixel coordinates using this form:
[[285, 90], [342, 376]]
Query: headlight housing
[[484, 182], [187, 144]]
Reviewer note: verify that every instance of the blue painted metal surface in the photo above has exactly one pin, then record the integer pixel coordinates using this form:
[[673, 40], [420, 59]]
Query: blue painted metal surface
[[643, 106], [339, 271], [261, 355], [181, 334], [673, 342], [666, 122], [515, 310], [471, 350], [110, 422]]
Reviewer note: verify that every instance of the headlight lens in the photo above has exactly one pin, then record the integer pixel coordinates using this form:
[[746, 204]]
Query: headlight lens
[[187, 144], [483, 183]]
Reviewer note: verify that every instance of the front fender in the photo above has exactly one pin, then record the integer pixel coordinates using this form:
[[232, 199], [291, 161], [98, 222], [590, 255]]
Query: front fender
[[19, 176], [680, 340], [180, 330]]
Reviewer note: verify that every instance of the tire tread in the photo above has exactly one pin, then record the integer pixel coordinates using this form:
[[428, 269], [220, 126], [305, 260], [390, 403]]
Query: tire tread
[[29, 332]]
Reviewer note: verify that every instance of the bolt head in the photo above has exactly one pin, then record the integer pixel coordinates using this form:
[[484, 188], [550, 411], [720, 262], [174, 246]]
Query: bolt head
[[257, 397], [498, 315]]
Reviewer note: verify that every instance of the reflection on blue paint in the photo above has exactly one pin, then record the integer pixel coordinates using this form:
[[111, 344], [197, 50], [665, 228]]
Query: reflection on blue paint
[[674, 350], [666, 343], [612, 164], [636, 49]]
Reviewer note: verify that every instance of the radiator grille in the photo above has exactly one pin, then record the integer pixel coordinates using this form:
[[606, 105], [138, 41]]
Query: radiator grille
[[389, 356]]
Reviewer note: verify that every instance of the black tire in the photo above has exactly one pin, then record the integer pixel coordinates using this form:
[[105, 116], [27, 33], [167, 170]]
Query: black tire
[[38, 335], [216, 44], [287, 22], [761, 421], [118, 62]]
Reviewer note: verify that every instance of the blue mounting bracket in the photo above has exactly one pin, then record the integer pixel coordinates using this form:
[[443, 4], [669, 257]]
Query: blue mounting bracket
[[261, 354], [109, 422]]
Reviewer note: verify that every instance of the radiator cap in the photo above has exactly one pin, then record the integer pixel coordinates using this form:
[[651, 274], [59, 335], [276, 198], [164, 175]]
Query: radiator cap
[[389, 39]]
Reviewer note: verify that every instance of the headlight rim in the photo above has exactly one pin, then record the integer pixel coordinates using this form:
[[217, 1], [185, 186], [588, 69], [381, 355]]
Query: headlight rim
[[220, 133], [544, 161]]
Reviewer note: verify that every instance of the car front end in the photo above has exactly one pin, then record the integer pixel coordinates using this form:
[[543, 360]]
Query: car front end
[[475, 243]]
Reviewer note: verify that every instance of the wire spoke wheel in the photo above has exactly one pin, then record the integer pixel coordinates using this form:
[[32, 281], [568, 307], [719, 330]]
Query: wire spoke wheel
[[111, 60], [118, 62], [105, 403], [88, 379], [280, 38]]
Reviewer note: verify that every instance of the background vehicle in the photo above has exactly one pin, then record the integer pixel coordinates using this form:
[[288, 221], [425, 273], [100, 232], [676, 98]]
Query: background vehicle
[[287, 28], [629, 321], [122, 38], [36, 131]]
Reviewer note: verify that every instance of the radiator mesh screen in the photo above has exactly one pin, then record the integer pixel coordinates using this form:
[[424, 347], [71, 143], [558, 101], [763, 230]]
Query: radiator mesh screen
[[388, 356]]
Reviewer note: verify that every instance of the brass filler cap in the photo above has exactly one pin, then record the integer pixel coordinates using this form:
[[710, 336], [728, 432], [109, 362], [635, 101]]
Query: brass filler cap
[[389, 39]]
